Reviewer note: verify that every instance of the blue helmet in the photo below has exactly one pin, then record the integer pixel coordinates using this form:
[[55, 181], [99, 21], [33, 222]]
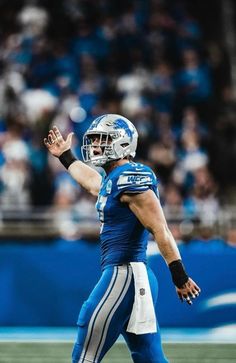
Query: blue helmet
[[118, 139]]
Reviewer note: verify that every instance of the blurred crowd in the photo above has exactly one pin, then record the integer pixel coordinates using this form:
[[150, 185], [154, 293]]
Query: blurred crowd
[[64, 63]]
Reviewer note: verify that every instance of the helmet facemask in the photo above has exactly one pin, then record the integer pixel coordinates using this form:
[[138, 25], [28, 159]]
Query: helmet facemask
[[97, 153]]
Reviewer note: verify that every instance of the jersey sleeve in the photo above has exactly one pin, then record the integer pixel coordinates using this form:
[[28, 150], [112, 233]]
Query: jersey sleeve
[[136, 180]]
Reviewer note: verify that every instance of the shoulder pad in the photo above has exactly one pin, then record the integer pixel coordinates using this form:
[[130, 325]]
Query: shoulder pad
[[136, 179]]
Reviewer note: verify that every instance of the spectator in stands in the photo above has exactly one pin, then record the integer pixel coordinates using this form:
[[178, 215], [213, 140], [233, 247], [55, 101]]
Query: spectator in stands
[[162, 153], [193, 81], [162, 87], [173, 202], [15, 176], [192, 122], [202, 201], [191, 158]]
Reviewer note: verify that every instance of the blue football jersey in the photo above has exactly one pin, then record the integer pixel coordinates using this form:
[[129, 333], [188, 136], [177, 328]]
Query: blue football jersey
[[123, 237]]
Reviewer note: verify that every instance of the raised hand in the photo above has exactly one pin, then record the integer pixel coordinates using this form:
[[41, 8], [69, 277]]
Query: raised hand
[[56, 143], [190, 290]]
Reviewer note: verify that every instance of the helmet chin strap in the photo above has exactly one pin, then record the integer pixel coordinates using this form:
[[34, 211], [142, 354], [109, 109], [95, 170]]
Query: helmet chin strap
[[108, 160], [119, 158], [111, 161]]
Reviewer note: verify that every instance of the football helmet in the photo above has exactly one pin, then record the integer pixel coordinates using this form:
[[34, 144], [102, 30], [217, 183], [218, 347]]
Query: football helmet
[[115, 136]]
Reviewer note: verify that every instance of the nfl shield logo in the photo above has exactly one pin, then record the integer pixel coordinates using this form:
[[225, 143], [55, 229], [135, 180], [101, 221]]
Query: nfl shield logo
[[142, 291]]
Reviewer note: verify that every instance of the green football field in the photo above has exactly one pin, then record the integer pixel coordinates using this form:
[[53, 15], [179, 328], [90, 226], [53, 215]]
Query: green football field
[[26, 352]]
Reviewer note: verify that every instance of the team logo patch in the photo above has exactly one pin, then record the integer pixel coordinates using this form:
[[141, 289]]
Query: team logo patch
[[110, 123], [109, 187], [142, 291]]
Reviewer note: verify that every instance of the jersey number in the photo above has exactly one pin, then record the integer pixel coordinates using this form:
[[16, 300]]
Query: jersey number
[[100, 207]]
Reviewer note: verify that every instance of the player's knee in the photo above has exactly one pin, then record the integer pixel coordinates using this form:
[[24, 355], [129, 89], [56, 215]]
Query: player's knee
[[79, 344], [76, 353]]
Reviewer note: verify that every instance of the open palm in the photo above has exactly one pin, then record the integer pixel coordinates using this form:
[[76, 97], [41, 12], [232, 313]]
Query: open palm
[[55, 142]]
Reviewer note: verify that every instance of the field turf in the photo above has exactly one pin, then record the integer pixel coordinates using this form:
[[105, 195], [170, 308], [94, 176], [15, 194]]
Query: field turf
[[27, 352]]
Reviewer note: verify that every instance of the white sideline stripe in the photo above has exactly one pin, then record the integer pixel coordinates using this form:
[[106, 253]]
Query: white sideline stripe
[[228, 298], [216, 335]]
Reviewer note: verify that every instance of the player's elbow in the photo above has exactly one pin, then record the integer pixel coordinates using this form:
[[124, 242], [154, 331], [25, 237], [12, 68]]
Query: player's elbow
[[93, 191], [161, 232], [93, 186]]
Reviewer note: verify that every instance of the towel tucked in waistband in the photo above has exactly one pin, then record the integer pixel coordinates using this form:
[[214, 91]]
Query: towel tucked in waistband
[[143, 318]]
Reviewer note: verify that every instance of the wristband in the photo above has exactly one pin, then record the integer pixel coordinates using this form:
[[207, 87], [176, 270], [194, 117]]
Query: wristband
[[67, 158], [178, 273]]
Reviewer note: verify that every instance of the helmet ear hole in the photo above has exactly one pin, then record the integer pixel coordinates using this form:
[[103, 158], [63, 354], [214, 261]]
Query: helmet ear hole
[[125, 145]]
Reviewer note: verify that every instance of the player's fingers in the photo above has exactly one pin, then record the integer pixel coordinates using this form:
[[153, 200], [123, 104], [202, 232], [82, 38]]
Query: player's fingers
[[194, 286], [188, 299], [191, 292], [180, 297], [192, 295], [196, 293], [51, 140], [197, 288], [53, 136], [57, 133], [46, 142]]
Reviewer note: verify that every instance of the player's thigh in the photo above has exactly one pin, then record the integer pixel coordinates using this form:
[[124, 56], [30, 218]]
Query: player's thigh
[[102, 316]]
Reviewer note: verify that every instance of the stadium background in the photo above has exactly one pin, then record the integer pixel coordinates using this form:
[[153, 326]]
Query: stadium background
[[169, 66]]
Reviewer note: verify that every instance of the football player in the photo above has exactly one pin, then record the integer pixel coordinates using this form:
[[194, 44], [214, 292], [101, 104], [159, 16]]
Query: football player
[[124, 299]]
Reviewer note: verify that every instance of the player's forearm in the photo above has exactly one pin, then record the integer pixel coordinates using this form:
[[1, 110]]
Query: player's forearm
[[170, 253], [166, 243], [87, 177]]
